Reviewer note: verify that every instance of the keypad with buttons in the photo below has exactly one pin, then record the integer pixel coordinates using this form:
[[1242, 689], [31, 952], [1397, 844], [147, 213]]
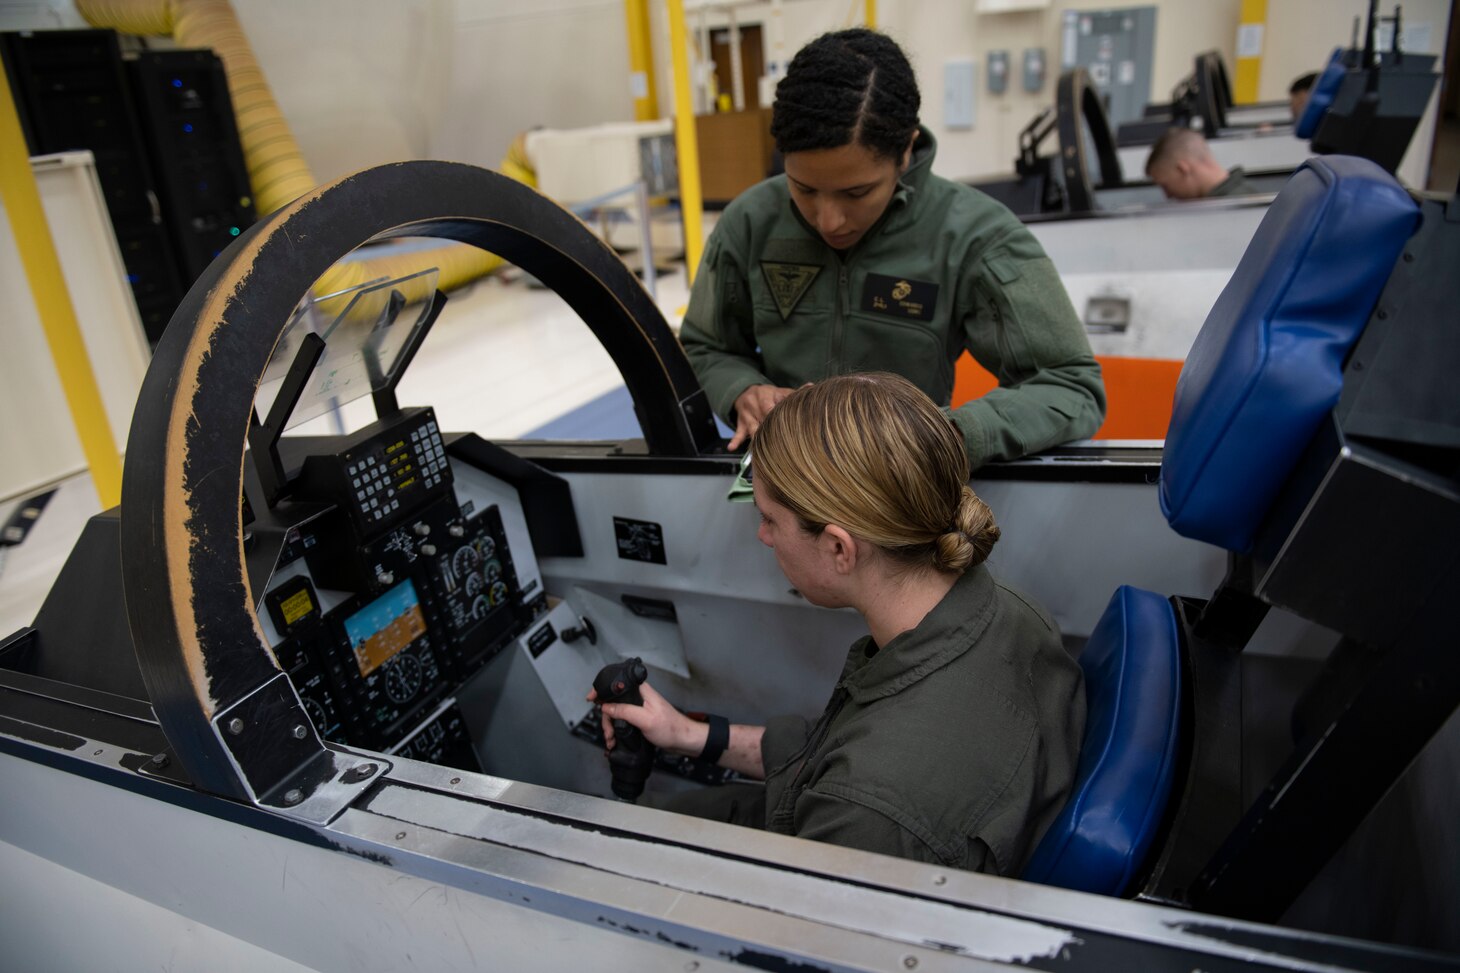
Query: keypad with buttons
[[396, 469]]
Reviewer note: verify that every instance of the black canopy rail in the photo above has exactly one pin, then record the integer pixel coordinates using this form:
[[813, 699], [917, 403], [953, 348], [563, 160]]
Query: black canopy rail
[[1080, 111]]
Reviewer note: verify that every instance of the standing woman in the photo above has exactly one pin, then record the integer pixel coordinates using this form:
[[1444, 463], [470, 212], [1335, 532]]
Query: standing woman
[[859, 258], [953, 734]]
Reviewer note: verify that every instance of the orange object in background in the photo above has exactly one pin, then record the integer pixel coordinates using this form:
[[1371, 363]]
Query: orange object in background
[[1138, 391]]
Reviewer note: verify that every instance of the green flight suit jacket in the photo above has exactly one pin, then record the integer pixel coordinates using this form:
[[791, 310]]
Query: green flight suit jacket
[[956, 744], [1236, 184], [945, 269]]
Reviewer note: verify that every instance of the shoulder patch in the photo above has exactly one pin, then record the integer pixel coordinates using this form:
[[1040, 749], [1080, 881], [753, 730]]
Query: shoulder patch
[[788, 282]]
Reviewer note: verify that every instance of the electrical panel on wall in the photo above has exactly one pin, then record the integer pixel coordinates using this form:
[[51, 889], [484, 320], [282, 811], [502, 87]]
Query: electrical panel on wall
[[1117, 48], [1033, 69], [958, 82], [998, 72]]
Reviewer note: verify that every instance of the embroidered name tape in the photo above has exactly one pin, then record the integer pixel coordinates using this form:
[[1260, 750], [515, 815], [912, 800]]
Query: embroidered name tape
[[899, 297]]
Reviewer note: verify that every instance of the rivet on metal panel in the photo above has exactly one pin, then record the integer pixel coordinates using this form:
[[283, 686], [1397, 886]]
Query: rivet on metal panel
[[235, 726], [910, 962], [399, 835], [299, 731], [294, 796]]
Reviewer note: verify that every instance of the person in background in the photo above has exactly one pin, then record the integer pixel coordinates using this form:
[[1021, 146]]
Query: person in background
[[1298, 93], [858, 257], [953, 733], [1181, 163]]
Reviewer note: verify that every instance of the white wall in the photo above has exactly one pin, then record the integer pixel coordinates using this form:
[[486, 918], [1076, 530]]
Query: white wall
[[516, 64], [364, 82], [1301, 34], [936, 31], [369, 81], [361, 82]]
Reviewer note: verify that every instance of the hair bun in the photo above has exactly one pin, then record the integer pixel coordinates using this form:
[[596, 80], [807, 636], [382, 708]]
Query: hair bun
[[970, 538]]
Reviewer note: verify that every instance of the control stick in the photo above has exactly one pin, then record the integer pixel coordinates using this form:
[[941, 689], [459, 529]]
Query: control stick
[[632, 756]]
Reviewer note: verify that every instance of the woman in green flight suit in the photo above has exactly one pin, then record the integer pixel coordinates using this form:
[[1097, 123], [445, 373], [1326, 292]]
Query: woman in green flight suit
[[859, 258], [953, 733]]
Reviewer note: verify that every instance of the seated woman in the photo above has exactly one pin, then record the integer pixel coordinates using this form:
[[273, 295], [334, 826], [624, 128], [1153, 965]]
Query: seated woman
[[954, 732]]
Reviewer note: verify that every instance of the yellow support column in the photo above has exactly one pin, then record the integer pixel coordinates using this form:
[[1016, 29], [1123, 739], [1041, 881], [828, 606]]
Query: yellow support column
[[53, 302], [871, 14], [641, 61], [1249, 51], [686, 142]]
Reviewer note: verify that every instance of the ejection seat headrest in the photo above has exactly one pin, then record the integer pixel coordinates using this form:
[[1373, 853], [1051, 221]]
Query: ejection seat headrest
[[1128, 757], [1268, 363], [1320, 98]]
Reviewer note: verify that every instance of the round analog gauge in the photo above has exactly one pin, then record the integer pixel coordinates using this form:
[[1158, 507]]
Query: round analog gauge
[[480, 607], [498, 593], [474, 584], [489, 547], [494, 570], [403, 678], [465, 560]]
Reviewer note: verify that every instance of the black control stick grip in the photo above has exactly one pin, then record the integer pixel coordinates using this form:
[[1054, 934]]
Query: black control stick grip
[[632, 756]]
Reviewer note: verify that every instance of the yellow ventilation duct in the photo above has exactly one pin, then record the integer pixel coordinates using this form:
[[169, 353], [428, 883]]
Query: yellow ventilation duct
[[277, 172]]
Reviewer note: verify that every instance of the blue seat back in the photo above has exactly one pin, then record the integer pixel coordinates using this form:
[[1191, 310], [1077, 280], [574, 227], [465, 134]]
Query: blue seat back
[[1128, 757], [1320, 98], [1268, 363]]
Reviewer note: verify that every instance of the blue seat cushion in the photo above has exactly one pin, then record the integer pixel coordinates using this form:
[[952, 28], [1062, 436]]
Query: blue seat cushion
[[1320, 98], [1128, 756], [1268, 363]]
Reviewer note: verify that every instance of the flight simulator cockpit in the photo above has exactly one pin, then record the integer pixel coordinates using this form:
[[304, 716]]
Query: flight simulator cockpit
[[321, 691]]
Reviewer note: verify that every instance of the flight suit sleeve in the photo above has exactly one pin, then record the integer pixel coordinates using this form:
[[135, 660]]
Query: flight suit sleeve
[[718, 332], [1019, 324]]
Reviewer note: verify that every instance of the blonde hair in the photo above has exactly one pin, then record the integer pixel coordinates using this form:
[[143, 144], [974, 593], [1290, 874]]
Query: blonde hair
[[871, 453]]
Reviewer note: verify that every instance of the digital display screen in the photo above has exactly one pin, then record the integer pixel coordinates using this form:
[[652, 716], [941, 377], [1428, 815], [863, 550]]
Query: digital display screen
[[385, 626], [296, 606]]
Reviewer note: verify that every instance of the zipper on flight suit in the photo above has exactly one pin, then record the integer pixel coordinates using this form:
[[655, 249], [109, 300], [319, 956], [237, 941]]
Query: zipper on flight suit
[[844, 277], [834, 353]]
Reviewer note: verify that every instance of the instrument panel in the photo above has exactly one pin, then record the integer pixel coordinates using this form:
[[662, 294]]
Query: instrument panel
[[382, 606]]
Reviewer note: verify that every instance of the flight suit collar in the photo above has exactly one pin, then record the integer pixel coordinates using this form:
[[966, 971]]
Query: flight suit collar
[[948, 631]]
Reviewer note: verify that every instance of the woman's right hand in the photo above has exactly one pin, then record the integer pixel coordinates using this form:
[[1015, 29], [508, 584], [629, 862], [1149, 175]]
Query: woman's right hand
[[662, 724], [751, 409]]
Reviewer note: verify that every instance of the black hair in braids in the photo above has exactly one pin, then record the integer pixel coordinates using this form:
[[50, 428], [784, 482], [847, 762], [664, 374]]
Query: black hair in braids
[[844, 87]]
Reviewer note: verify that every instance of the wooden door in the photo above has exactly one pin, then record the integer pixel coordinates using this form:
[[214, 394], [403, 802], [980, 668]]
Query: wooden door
[[752, 61]]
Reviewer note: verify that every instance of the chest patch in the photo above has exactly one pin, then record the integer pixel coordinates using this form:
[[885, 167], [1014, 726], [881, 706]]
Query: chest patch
[[899, 297], [788, 283]]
